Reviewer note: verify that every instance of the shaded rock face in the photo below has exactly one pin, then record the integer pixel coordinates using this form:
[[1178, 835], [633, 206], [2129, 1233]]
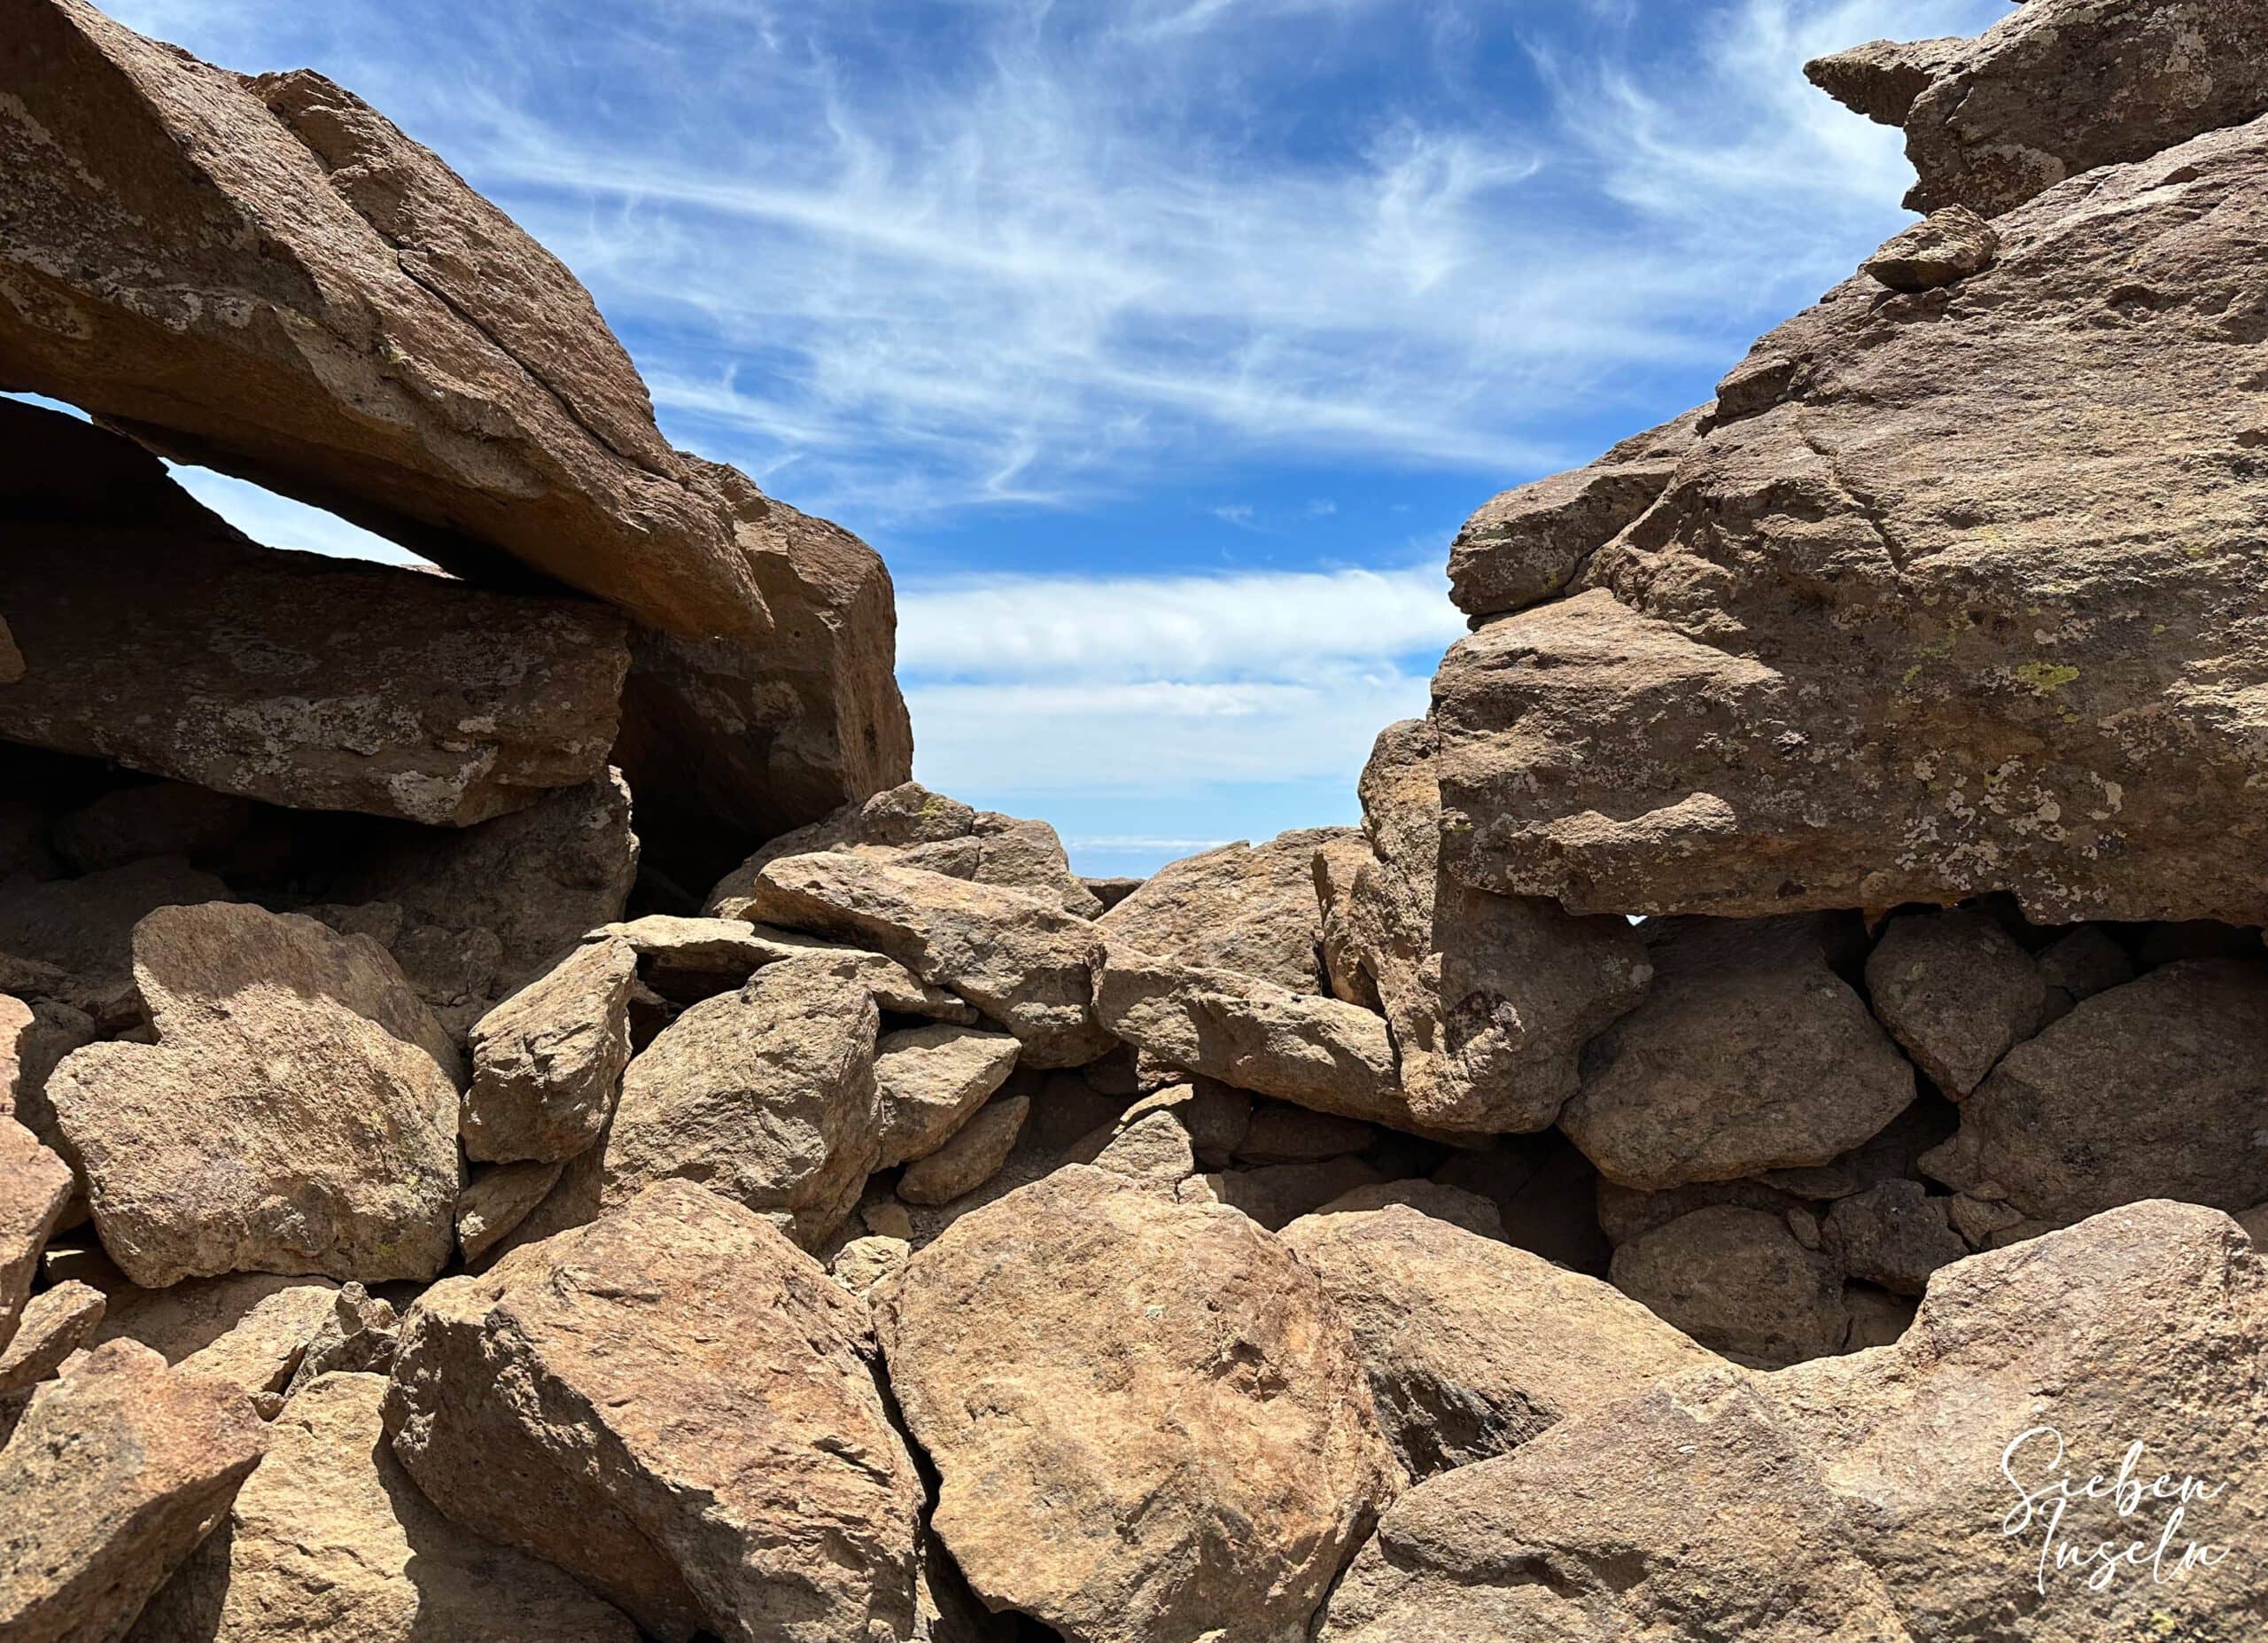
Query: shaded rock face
[[291, 677], [1956, 992], [1863, 1497], [297, 1114], [1902, 628], [677, 1406], [1737, 1280], [2056, 89], [1147, 1419], [35, 1185]]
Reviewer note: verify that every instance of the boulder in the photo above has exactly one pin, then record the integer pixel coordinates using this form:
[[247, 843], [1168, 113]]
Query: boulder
[[1749, 1054], [497, 1199], [1741, 1283], [2056, 89], [51, 1327], [928, 1081], [33, 1039], [970, 1157], [295, 678], [35, 1185], [297, 1114], [1957, 992], [1279, 1133], [2152, 1090], [1452, 1205], [358, 1338], [861, 1264], [2082, 963], [1276, 1194], [680, 1408], [688, 960], [1147, 1418], [1252, 910], [1217, 1117], [1903, 628], [1473, 1348], [547, 1063], [1020, 959], [250, 1330], [1894, 1234], [1154, 1152], [1945, 246], [84, 927], [114, 1477]]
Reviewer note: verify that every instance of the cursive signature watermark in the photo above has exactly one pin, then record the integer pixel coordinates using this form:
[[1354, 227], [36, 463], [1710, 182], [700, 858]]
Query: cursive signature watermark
[[2141, 1504]]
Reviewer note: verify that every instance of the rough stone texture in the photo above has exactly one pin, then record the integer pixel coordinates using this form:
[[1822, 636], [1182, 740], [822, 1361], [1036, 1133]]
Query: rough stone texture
[[151, 818], [1217, 1117], [35, 1185], [912, 827], [1904, 627], [358, 1338], [1279, 1133], [1020, 959], [688, 960], [84, 927], [1147, 1420], [297, 1114], [1154, 1152], [1276, 1194], [50, 1328], [34, 1038], [1490, 998], [1893, 1234], [1473, 1348], [293, 677], [931, 1081], [766, 1096], [1525, 546], [547, 1061], [1945, 246], [114, 1475], [1749, 1054], [1241, 907], [861, 1264], [251, 1329], [1738, 1281], [330, 1542], [496, 1200], [972, 1156], [2153, 1090], [1337, 861], [1956, 989], [1452, 1205], [2056, 89], [679, 1407]]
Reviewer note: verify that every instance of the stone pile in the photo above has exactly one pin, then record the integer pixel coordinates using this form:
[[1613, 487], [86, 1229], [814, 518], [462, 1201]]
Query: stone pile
[[1788, 1033]]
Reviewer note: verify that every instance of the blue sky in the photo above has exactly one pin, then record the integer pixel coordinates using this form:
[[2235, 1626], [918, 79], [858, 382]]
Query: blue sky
[[1160, 345]]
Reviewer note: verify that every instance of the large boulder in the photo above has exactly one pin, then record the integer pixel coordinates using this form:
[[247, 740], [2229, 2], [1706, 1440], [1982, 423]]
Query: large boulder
[[1252, 910], [1903, 627], [547, 1063], [1147, 1419], [2056, 89], [930, 1080], [302, 680], [680, 1408], [1956, 990], [298, 1112]]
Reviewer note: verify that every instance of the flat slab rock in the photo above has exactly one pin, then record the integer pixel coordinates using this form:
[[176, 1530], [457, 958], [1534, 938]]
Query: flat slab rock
[[1245, 908], [1147, 1419], [547, 1063]]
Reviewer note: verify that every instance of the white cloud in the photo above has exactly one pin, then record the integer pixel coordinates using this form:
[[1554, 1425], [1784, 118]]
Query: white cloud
[[280, 522]]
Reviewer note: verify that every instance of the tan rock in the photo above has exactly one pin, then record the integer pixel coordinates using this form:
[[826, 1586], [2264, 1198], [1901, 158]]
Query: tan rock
[[1252, 910], [1473, 1348], [34, 1038], [1945, 246], [1154, 1152], [114, 1475], [84, 927], [931, 1081], [972, 1156], [1451, 1205], [688, 960], [1956, 990], [35, 1185], [250, 1330], [1217, 1117], [50, 1328], [547, 1063], [1339, 860], [1147, 1420], [496, 1200], [1279, 1132], [677, 1406], [1738, 1281], [297, 1114], [1894, 1234], [358, 1338], [861, 1264]]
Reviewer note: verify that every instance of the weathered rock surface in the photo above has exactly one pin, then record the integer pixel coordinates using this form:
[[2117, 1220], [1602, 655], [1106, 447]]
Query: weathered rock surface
[[84, 927], [1957, 992], [250, 1330], [677, 1406], [1020, 959], [2056, 89], [35, 1185], [358, 1338], [1147, 1419], [1452, 1205], [765, 1096], [51, 1327], [114, 1475], [2153, 1090], [1945, 246], [1276, 1194], [971, 1157], [930, 1080], [297, 1114], [1904, 628], [688, 960], [1738, 1281], [1248, 908], [1894, 1234], [1749, 1054], [292, 677], [1473, 1348], [547, 1063], [496, 1200]]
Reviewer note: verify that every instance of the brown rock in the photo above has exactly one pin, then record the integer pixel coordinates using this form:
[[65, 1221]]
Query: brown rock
[[249, 1329], [358, 1338], [1452, 1205], [1737, 1281], [547, 1063], [1546, 1195], [1957, 992], [84, 927], [151, 818], [1945, 246], [1154, 1152], [972, 1156], [33, 1039], [1216, 1116], [2083, 963], [50, 1328], [115, 1474], [931, 1081], [1147, 1420], [677, 1406], [1339, 862], [35, 1185], [496, 1200], [1279, 1132], [1276, 1194], [298, 1113], [688, 960], [861, 1264], [1894, 1234], [1252, 910]]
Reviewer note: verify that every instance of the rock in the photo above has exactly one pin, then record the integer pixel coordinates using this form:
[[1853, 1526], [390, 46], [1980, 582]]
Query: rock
[[496, 1200], [1147, 1420], [547, 1063], [1276, 1194], [1894, 1234], [297, 1114], [1490, 998], [1250, 910], [115, 1473], [149, 819], [1546, 1194], [2054, 90], [1110, 892], [1902, 630], [1279, 1133], [678, 1407], [1737, 1281], [330, 1542], [911, 827], [1216, 1116], [688, 960], [49, 1329], [1339, 862], [1525, 546], [1451, 1205], [970, 1157], [35, 1185], [1473, 1348], [1749, 1054], [1877, 1317], [1020, 959], [1946, 246], [931, 1081], [33, 1039], [2151, 1090], [249, 1329], [765, 1096], [358, 1338], [861, 1264], [295, 678], [1154, 1152], [84, 927], [1957, 992]]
